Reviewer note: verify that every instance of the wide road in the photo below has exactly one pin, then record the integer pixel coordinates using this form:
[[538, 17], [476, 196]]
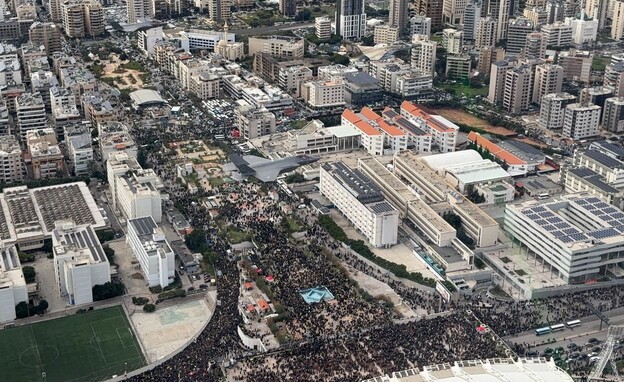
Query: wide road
[[264, 30], [590, 327]]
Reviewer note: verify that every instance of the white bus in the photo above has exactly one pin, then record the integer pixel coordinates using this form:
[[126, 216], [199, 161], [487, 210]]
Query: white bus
[[573, 323], [556, 328]]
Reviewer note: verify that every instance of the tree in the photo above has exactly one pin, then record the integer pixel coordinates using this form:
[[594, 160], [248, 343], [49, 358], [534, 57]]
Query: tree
[[110, 254], [107, 290], [42, 307], [29, 274], [196, 241], [453, 219], [22, 310], [340, 59], [149, 308]]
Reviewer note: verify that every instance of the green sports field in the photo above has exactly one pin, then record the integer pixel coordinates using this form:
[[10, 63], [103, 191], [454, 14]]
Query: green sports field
[[81, 348]]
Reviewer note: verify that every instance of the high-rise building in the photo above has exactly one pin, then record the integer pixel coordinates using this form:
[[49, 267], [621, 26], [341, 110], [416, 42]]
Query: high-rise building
[[432, 9], [288, 8], [557, 34], [552, 110], [581, 120], [538, 16], [453, 11], [499, 10], [12, 169], [535, 46], [458, 67], [517, 94], [46, 34], [517, 31], [452, 40], [220, 10], [598, 10], [423, 54], [613, 118], [548, 79], [253, 122], [498, 73], [617, 25], [486, 33], [31, 113], [555, 11], [420, 25], [487, 56], [398, 14], [472, 14], [614, 78], [322, 26], [139, 10], [54, 7], [597, 95], [82, 18], [576, 64], [350, 19], [386, 34]]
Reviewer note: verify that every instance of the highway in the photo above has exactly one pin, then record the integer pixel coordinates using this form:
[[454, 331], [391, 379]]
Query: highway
[[264, 30]]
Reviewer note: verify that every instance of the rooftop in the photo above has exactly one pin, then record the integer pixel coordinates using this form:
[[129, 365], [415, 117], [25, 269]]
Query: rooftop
[[354, 181], [68, 236], [146, 97]]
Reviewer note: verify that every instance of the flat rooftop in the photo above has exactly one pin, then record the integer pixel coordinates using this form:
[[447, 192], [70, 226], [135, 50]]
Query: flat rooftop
[[354, 181], [79, 237]]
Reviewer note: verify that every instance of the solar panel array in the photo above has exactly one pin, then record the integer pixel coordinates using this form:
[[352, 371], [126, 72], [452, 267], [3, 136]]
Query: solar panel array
[[555, 225]]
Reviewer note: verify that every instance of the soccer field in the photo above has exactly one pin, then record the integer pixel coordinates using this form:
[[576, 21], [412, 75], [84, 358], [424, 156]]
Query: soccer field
[[81, 348]]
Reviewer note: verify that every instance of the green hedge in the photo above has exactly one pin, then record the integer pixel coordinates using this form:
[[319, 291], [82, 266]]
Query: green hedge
[[360, 247], [171, 294]]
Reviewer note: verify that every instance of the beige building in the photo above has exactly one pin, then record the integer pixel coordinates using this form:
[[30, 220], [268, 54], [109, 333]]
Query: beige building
[[220, 10], [82, 18], [44, 157], [54, 7], [386, 34], [322, 27], [576, 65], [31, 114], [517, 93], [487, 56], [205, 85], [231, 51], [139, 10], [458, 67], [486, 33], [581, 121], [552, 110], [12, 169], [548, 79], [453, 11], [46, 34], [557, 34], [253, 122], [278, 46], [617, 25], [452, 40], [535, 46], [323, 93], [398, 14], [423, 54]]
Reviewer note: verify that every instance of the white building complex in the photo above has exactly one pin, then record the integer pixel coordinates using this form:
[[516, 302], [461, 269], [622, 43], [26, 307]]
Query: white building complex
[[12, 283], [151, 248], [361, 201], [577, 237], [442, 131], [581, 121], [79, 261]]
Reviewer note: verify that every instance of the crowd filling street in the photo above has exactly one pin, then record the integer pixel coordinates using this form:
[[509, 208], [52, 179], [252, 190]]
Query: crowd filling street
[[350, 338]]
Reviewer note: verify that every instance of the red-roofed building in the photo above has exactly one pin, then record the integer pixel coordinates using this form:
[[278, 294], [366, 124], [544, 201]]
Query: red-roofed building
[[393, 137], [371, 139], [515, 165], [443, 131]]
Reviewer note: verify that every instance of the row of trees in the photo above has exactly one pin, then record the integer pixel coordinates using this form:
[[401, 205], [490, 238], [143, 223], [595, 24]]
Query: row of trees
[[361, 248], [108, 290], [26, 309]]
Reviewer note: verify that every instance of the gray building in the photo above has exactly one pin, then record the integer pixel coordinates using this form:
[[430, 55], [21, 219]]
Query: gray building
[[613, 115], [517, 32], [361, 89]]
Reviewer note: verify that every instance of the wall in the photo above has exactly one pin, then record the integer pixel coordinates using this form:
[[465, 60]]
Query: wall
[[251, 343]]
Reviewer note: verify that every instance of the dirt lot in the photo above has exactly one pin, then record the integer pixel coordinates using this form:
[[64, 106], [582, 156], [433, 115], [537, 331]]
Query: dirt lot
[[465, 118]]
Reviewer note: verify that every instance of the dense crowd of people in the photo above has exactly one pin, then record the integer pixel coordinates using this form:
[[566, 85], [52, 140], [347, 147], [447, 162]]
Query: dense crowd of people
[[350, 338]]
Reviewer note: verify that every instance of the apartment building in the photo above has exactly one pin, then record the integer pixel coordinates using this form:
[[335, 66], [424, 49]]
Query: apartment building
[[458, 67], [44, 157], [452, 40], [47, 34], [220, 10], [361, 201], [581, 121], [138, 10], [488, 55], [205, 85], [151, 249], [548, 79], [350, 19], [486, 33], [12, 169], [31, 114], [576, 65], [253, 122], [79, 148], [535, 46], [386, 34], [517, 91], [517, 31], [423, 54], [557, 34], [613, 118], [82, 18], [552, 110], [420, 25], [322, 27], [138, 194]]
